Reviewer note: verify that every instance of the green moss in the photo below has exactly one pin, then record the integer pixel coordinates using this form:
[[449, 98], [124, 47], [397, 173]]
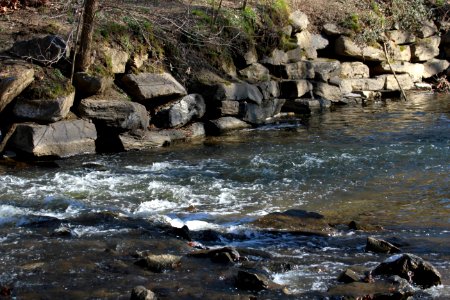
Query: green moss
[[202, 16], [49, 84]]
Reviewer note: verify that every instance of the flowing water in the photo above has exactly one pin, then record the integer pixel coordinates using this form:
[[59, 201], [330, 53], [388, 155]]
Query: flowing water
[[386, 163]]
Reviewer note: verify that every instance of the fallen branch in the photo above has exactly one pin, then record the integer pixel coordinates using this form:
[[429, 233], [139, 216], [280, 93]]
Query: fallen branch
[[393, 72]]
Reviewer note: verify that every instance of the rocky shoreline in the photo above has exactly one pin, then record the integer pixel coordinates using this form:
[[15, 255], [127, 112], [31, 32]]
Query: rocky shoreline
[[129, 109]]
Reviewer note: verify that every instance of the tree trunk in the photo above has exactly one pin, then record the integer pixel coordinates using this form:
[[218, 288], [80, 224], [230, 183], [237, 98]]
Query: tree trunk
[[244, 4], [84, 58]]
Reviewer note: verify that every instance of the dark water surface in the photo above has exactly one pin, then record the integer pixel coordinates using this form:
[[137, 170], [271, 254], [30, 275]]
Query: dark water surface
[[386, 164]]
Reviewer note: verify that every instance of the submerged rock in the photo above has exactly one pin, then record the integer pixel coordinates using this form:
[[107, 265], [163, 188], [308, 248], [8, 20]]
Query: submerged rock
[[251, 281], [141, 293], [353, 225], [393, 288], [220, 255], [380, 246], [160, 263], [295, 221], [410, 267], [225, 124]]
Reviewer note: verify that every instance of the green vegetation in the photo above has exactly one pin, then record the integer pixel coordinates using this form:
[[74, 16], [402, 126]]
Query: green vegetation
[[369, 25], [49, 84]]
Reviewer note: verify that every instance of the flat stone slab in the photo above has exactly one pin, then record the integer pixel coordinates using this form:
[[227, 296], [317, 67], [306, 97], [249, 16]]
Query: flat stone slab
[[126, 115], [46, 110], [147, 86], [60, 139], [14, 78]]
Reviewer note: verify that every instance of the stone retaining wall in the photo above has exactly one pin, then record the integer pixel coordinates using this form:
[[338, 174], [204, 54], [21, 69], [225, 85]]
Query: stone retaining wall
[[156, 110]]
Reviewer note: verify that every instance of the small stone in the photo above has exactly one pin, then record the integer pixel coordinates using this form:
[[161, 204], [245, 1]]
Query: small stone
[[349, 276], [251, 281], [141, 293], [160, 263]]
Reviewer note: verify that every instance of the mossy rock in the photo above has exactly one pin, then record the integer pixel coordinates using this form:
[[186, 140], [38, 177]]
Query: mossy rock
[[49, 83]]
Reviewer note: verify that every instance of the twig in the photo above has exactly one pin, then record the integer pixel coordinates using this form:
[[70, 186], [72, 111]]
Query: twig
[[393, 72], [77, 36]]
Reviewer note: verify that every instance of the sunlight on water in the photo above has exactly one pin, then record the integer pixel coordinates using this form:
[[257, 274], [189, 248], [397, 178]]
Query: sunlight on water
[[386, 164]]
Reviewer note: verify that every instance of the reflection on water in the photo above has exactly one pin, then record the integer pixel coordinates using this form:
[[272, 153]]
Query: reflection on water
[[385, 163]]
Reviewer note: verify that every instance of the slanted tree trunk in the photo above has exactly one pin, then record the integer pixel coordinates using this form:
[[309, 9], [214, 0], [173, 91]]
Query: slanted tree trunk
[[244, 5], [83, 60]]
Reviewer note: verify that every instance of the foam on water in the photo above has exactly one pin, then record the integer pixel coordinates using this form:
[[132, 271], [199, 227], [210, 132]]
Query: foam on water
[[152, 207], [10, 214]]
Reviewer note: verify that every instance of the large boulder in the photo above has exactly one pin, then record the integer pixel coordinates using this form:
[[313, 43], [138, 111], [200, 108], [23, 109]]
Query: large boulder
[[269, 89], [149, 140], [299, 20], [45, 110], [276, 58], [227, 108], [258, 114], [119, 114], [255, 73], [325, 69], [392, 83], [234, 92], [13, 80], [294, 71], [416, 71], [399, 53], [428, 29], [363, 84], [292, 89], [434, 67], [46, 50], [116, 58], [180, 112], [225, 124], [354, 70], [327, 91], [333, 30], [345, 46], [410, 267], [88, 85], [60, 139], [310, 43], [251, 56], [302, 106], [296, 55], [400, 37], [425, 49], [145, 87]]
